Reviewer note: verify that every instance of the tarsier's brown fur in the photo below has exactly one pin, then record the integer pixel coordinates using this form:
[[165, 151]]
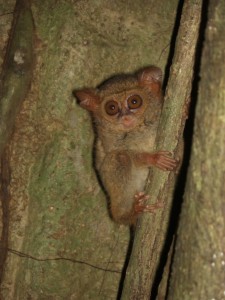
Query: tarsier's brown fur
[[126, 111]]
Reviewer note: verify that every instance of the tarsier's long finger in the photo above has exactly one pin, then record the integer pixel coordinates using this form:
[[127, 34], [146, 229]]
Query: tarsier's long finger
[[140, 206], [141, 197], [167, 165], [153, 207]]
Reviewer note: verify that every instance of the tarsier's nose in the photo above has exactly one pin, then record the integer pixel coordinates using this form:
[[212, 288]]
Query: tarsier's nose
[[124, 111]]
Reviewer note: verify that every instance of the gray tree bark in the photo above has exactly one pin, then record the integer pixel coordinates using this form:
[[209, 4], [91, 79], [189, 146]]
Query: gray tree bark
[[199, 261]]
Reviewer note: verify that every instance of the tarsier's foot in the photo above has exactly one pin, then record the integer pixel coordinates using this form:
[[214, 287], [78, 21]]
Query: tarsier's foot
[[164, 160], [140, 206]]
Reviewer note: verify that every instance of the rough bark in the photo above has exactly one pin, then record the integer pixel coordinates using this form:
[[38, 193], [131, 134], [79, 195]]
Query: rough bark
[[16, 76], [61, 242], [6, 16], [199, 265], [17, 69], [151, 232]]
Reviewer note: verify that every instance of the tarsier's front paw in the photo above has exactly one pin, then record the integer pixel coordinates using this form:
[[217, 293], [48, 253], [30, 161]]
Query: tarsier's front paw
[[164, 161], [140, 204]]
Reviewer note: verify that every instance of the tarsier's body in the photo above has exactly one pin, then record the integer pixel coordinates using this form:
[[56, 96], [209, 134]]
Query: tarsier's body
[[126, 111]]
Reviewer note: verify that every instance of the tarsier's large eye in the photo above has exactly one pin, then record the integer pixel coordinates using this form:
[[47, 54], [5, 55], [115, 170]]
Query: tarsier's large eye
[[134, 102], [111, 107]]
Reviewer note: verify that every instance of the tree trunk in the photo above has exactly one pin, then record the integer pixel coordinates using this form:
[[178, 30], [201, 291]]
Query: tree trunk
[[199, 263], [151, 234], [60, 242]]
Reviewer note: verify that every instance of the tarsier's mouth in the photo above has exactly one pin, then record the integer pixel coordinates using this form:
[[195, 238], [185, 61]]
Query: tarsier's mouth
[[128, 121]]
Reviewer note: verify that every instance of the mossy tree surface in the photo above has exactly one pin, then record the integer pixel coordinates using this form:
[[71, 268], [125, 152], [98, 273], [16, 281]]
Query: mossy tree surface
[[154, 233], [57, 208], [199, 261]]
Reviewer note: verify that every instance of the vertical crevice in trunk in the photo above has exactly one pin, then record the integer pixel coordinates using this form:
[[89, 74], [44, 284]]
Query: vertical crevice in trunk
[[4, 198]]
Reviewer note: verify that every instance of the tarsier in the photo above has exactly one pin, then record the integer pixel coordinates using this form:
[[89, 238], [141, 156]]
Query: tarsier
[[126, 111]]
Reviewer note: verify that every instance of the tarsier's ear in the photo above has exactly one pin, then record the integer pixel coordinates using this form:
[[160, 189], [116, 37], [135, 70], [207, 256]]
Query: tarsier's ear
[[150, 77], [87, 99]]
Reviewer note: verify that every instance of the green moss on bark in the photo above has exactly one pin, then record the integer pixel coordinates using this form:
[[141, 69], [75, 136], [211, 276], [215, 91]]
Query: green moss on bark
[[59, 208], [17, 70]]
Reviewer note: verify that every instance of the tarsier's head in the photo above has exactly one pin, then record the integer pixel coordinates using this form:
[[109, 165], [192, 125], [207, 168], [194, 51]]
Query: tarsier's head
[[120, 103]]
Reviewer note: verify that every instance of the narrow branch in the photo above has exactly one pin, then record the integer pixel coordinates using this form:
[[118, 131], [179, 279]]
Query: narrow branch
[[151, 230], [199, 264]]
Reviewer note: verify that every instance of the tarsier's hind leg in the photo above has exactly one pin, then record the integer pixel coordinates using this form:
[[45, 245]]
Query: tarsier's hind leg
[[124, 174], [118, 178]]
